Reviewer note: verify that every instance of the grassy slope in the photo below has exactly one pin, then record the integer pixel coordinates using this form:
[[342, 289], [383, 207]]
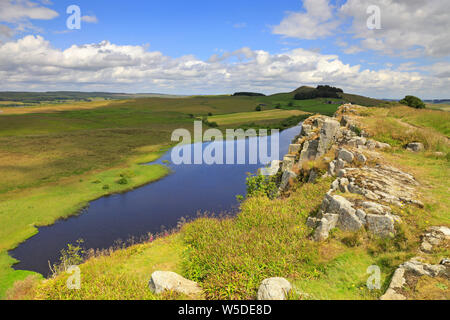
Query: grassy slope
[[269, 237]]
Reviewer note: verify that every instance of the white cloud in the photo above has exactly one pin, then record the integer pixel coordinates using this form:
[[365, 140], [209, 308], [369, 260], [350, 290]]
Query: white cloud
[[89, 19], [17, 10], [409, 27], [31, 62], [19, 13], [317, 22]]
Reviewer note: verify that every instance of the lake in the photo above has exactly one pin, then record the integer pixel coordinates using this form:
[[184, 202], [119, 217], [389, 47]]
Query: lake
[[149, 209]]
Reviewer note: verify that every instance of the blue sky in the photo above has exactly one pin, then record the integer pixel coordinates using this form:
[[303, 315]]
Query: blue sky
[[166, 46]]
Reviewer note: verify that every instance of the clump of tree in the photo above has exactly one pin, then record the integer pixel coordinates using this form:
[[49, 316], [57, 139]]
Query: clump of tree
[[249, 94], [320, 92], [413, 102]]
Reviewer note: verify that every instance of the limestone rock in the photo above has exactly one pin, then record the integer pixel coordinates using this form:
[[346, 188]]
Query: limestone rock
[[328, 134], [295, 148], [274, 289], [287, 176], [380, 225], [288, 163], [348, 221], [272, 170], [169, 281], [346, 155]]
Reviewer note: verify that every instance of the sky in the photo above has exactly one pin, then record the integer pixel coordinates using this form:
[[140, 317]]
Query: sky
[[378, 48]]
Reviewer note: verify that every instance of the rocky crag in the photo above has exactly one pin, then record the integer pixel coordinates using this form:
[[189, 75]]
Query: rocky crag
[[364, 188]]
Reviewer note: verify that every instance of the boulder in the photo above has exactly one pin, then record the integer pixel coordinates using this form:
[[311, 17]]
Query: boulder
[[415, 147], [348, 221], [346, 155], [380, 225], [274, 289], [361, 158], [170, 281]]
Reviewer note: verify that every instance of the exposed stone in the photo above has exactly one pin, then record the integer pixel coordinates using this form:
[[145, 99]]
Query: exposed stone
[[272, 170], [415, 147], [170, 281], [345, 155], [361, 158], [274, 289], [361, 216], [328, 133], [295, 148], [287, 176], [313, 175], [309, 150], [392, 295], [382, 226], [288, 162], [348, 221]]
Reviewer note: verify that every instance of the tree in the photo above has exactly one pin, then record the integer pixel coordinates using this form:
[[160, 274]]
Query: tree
[[258, 108], [413, 102]]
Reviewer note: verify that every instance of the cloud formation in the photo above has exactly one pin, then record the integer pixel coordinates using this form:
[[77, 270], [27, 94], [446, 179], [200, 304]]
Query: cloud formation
[[18, 15], [33, 63], [317, 22], [410, 28]]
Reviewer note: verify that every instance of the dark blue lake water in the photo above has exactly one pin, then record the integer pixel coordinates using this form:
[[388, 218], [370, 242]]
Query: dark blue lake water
[[188, 190]]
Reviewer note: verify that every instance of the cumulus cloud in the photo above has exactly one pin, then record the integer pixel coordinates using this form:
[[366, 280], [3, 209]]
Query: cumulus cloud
[[33, 63], [317, 22], [410, 28]]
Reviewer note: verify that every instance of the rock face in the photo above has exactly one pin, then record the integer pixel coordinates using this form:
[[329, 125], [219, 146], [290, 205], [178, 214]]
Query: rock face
[[358, 171], [169, 281], [274, 289]]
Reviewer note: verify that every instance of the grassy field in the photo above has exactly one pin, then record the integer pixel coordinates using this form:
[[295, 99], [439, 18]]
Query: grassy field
[[246, 117], [230, 256]]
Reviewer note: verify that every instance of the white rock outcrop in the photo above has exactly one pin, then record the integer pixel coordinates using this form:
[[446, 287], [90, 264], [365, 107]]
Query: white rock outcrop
[[170, 281], [274, 289]]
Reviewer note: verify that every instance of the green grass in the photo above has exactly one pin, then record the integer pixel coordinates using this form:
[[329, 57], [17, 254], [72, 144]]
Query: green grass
[[246, 117], [119, 275]]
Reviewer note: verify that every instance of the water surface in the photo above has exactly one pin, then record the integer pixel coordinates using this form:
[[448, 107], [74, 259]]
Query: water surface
[[188, 190]]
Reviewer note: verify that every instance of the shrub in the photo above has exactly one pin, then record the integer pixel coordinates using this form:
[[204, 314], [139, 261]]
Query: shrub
[[413, 102], [259, 185], [258, 108]]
